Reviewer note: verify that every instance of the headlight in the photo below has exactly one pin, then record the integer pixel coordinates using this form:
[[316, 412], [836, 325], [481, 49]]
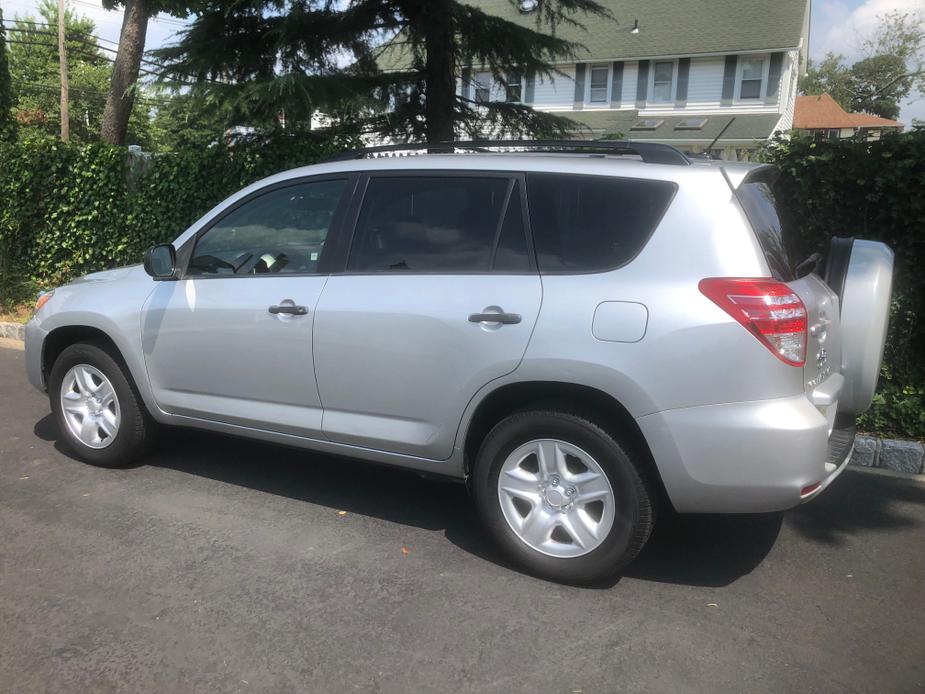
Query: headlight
[[43, 299]]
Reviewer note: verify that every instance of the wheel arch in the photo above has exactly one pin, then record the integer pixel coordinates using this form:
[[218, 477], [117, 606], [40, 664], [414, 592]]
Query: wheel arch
[[63, 336], [592, 403]]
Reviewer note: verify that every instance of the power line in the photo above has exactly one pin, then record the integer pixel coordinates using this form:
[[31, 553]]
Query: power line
[[146, 61], [94, 92], [97, 8]]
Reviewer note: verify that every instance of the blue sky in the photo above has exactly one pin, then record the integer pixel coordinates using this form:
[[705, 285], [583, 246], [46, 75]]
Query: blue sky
[[837, 25]]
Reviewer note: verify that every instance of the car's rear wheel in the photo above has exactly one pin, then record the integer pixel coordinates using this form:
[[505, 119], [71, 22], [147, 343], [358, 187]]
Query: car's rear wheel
[[97, 408], [562, 497]]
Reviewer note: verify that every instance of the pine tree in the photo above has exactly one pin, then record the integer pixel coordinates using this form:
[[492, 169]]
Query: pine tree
[[389, 65]]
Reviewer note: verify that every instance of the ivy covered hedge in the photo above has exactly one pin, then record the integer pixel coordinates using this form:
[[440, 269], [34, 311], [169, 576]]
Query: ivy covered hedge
[[66, 210], [870, 190]]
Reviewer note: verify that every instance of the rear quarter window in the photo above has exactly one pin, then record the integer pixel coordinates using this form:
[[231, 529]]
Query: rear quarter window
[[765, 216], [592, 223]]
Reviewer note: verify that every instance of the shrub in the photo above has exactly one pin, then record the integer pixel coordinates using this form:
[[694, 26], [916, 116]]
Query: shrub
[[66, 210], [870, 190]]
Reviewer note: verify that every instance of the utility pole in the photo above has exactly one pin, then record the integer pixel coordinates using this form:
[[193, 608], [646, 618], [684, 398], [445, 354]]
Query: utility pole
[[62, 63]]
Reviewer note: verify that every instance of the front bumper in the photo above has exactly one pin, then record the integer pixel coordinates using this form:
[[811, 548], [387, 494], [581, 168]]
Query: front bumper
[[35, 339], [746, 457]]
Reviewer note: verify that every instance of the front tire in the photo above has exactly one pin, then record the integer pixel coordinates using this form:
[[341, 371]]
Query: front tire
[[561, 497], [97, 408]]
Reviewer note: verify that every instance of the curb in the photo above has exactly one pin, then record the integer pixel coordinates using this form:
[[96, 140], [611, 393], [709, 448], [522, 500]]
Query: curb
[[13, 331], [905, 457], [889, 454]]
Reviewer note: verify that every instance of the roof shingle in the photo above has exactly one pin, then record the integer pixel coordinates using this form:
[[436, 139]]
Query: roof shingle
[[822, 112]]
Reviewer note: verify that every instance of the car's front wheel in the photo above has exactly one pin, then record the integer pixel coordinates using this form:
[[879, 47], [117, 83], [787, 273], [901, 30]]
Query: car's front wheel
[[561, 496], [98, 411]]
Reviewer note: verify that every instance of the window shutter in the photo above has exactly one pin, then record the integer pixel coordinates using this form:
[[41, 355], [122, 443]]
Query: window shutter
[[579, 83], [616, 84], [729, 77], [642, 81], [466, 83], [530, 87], [684, 69], [777, 60]]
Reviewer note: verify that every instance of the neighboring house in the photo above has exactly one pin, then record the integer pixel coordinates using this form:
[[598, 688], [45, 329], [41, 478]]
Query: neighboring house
[[667, 71], [821, 117]]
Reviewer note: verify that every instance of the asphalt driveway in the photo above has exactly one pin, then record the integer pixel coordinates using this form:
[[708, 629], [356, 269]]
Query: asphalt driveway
[[224, 565]]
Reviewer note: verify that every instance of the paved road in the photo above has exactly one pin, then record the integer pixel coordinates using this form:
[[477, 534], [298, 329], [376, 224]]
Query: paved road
[[224, 565]]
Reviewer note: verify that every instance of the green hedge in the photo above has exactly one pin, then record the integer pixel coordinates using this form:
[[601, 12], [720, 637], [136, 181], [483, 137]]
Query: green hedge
[[870, 190], [66, 210]]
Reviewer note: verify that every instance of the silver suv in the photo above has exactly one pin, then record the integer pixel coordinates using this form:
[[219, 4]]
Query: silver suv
[[584, 332]]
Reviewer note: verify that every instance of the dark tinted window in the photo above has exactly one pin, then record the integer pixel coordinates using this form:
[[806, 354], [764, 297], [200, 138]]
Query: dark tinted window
[[512, 255], [757, 199], [428, 224], [592, 223], [281, 231]]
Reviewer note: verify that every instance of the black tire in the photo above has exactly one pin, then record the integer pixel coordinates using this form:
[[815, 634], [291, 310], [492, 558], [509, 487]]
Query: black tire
[[136, 429], [634, 501]]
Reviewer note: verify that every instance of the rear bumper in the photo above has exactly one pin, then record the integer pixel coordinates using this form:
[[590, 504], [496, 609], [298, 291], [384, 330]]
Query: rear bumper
[[746, 457]]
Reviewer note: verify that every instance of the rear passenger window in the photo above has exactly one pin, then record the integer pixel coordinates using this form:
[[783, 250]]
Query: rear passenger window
[[761, 209], [429, 224], [592, 223]]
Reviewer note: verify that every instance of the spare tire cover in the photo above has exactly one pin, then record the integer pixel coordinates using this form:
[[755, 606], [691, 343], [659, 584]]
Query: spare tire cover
[[865, 314]]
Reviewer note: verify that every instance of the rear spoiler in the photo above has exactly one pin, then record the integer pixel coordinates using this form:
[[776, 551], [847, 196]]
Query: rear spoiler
[[738, 175]]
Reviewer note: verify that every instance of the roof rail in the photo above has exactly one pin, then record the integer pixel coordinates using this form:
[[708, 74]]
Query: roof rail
[[649, 152]]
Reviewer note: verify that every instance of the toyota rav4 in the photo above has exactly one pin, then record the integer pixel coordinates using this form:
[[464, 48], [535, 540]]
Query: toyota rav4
[[583, 332]]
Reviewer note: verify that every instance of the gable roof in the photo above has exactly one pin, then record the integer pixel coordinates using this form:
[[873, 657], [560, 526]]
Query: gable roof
[[669, 27], [666, 28], [822, 112]]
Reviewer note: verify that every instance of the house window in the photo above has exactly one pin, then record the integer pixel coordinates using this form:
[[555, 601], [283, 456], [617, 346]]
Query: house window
[[662, 81], [482, 84], [752, 77], [512, 87], [600, 79]]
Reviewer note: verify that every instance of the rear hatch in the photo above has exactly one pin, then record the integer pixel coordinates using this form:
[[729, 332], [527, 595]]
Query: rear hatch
[[821, 372]]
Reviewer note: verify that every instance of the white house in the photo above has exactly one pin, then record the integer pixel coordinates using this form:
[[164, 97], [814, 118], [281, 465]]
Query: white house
[[683, 73]]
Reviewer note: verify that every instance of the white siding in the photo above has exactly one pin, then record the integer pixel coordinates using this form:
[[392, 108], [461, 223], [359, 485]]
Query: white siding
[[630, 71], [705, 83], [555, 91]]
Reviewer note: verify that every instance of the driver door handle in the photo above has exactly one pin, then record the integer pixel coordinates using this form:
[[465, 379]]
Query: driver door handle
[[506, 318], [288, 308]]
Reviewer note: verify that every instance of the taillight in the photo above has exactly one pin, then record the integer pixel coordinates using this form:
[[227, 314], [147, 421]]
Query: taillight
[[768, 309]]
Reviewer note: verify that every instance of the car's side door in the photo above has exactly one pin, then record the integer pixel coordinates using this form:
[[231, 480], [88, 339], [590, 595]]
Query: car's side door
[[231, 341], [439, 297]]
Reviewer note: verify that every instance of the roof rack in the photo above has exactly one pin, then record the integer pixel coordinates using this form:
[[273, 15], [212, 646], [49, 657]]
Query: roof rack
[[649, 152]]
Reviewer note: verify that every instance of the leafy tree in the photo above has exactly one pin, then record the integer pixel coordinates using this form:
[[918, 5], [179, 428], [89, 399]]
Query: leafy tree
[[124, 83], [182, 119], [390, 66], [34, 71], [891, 69], [6, 97], [36, 82]]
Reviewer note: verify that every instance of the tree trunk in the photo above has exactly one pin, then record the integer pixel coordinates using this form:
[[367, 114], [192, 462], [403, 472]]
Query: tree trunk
[[125, 72], [439, 71]]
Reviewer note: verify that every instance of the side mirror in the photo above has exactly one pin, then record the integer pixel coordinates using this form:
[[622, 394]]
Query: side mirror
[[161, 261]]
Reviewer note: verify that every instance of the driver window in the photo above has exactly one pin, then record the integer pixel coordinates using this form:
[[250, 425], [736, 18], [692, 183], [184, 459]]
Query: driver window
[[282, 231]]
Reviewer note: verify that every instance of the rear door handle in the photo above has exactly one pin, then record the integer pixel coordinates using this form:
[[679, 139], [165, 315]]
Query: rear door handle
[[290, 309], [506, 318]]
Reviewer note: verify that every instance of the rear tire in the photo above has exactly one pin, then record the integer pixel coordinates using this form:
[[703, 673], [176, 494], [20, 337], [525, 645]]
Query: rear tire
[[97, 408], [571, 506]]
